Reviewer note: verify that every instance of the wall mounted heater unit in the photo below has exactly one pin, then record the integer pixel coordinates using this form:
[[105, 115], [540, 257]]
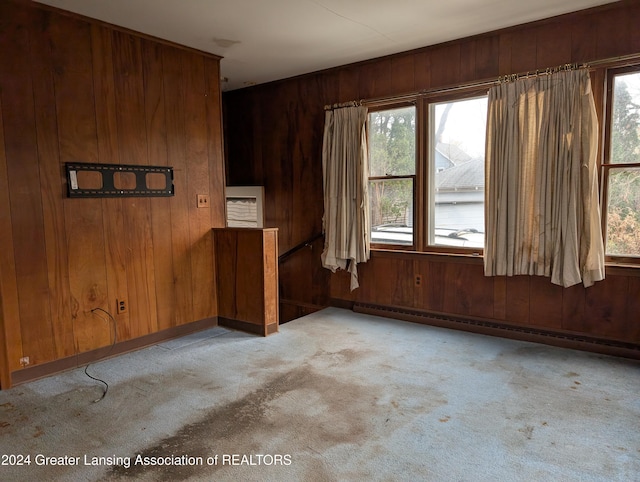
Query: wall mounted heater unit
[[245, 206]]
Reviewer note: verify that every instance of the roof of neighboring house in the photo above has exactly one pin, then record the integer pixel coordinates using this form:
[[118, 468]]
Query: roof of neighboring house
[[453, 153], [469, 175]]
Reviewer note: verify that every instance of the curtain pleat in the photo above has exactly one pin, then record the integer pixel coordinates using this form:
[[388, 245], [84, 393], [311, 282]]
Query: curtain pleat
[[346, 202], [542, 209]]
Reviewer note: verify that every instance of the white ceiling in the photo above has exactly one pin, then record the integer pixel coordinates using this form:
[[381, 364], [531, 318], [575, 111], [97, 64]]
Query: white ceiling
[[265, 40]]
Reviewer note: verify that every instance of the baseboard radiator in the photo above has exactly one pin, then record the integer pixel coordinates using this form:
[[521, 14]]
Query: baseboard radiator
[[518, 332]]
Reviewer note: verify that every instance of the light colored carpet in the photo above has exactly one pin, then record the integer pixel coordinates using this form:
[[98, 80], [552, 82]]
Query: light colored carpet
[[334, 396]]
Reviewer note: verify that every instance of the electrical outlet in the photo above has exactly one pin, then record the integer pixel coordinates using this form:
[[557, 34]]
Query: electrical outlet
[[24, 361], [121, 306], [418, 279], [203, 200]]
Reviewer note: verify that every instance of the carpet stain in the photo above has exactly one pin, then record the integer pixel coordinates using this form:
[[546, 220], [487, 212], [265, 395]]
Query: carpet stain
[[254, 418], [445, 419], [527, 430]]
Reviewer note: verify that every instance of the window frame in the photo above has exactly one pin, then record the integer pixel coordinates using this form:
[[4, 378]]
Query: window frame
[[422, 209], [606, 166], [452, 95], [381, 107]]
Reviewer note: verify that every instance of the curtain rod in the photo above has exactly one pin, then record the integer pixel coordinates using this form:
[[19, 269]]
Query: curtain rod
[[537, 72], [353, 103], [619, 61]]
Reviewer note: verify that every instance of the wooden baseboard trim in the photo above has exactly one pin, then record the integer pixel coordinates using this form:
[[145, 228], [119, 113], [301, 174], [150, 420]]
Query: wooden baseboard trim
[[248, 327], [57, 366], [344, 304], [310, 307], [562, 339]]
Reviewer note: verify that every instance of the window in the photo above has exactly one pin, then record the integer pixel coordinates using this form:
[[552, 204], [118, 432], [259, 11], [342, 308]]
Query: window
[[621, 166], [392, 168], [426, 174], [456, 172]]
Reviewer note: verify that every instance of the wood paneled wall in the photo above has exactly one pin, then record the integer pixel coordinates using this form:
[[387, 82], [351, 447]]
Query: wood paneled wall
[[74, 90], [274, 137], [609, 310]]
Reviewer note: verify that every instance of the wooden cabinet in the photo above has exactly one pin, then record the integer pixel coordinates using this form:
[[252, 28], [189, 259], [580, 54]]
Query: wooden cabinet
[[247, 279]]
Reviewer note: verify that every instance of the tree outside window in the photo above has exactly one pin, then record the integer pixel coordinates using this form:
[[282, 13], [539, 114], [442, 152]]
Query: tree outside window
[[392, 167], [623, 168]]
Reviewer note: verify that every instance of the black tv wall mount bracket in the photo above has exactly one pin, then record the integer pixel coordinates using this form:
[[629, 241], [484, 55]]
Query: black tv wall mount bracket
[[118, 180]]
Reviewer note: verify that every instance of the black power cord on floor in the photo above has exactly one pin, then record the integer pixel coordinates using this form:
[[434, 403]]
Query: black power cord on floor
[[113, 344]]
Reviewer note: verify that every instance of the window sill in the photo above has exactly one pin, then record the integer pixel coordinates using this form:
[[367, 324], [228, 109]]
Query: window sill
[[445, 257], [621, 269], [611, 268]]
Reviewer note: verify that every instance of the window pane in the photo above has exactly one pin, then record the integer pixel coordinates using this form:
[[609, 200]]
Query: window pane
[[625, 119], [457, 142], [623, 212], [391, 202], [392, 142]]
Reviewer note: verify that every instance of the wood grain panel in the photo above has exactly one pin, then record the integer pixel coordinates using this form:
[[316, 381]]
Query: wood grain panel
[[329, 84], [445, 65], [277, 155], [524, 55], [573, 306], [388, 281], [213, 103], [631, 326], [500, 298], [249, 283], [612, 31], [75, 105], [606, 308], [422, 69], [468, 61], [553, 45], [348, 89], [174, 97], [518, 307], [10, 335], [584, 43], [633, 12], [340, 283], [226, 253], [18, 111], [198, 183], [375, 79], [487, 57], [52, 187], [108, 152], [545, 303], [155, 121], [132, 143], [270, 276], [467, 292], [237, 148], [402, 74], [504, 54], [434, 274]]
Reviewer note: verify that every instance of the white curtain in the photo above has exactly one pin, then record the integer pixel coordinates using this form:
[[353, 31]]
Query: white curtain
[[346, 201], [542, 210]]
